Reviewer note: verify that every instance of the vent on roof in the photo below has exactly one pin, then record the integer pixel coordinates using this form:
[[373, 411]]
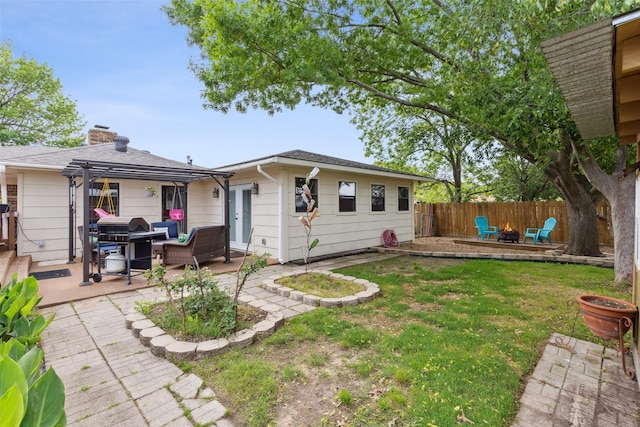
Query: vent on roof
[[121, 143]]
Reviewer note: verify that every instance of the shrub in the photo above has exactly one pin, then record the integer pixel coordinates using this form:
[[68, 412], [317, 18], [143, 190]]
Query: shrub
[[18, 318], [28, 397], [195, 296]]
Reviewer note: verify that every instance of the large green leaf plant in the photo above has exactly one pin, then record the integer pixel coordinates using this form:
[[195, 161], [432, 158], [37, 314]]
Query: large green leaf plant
[[28, 396]]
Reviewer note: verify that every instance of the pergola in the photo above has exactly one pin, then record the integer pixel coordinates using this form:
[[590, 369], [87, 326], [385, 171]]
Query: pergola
[[90, 170]]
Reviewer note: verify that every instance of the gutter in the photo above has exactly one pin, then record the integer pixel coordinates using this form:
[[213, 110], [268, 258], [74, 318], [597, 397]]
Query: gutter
[[281, 216]]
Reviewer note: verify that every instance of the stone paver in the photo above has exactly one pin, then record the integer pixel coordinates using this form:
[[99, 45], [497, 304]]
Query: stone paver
[[569, 387]]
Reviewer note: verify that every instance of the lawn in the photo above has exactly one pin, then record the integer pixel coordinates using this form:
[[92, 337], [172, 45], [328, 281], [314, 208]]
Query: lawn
[[448, 340]]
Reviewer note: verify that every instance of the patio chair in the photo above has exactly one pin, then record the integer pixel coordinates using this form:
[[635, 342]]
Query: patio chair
[[171, 234], [203, 244], [539, 234], [484, 229]]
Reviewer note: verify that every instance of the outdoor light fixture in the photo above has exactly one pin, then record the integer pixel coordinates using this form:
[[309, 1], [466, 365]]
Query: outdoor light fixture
[[216, 193], [254, 188]]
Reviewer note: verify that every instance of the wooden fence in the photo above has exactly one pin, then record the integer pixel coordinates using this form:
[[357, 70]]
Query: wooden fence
[[457, 219]]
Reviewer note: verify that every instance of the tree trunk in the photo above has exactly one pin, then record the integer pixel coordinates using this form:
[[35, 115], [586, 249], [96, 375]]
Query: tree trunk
[[581, 204], [620, 192], [623, 212]]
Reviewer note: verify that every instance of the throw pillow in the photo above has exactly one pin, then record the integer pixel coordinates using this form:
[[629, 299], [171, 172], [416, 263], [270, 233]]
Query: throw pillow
[[165, 230]]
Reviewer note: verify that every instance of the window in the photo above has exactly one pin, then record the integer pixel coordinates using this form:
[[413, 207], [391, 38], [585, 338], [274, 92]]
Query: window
[[403, 198], [346, 196], [377, 198], [171, 200], [103, 195], [301, 206]]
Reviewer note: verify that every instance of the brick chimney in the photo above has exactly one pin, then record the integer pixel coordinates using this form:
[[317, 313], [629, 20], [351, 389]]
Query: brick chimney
[[100, 135]]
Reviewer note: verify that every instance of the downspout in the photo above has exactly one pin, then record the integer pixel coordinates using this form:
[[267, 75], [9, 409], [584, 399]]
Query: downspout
[[281, 216]]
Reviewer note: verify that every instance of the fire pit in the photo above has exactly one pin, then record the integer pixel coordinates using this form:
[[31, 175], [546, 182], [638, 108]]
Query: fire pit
[[507, 234]]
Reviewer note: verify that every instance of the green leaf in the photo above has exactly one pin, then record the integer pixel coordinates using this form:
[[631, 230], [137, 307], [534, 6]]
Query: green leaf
[[12, 407], [35, 110], [46, 402], [12, 376], [30, 305], [14, 308], [30, 364]]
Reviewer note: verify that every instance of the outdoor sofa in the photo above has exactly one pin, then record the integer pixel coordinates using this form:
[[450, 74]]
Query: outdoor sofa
[[204, 243]]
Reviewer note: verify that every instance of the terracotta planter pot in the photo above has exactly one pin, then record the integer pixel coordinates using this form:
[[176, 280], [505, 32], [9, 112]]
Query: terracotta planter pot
[[603, 315]]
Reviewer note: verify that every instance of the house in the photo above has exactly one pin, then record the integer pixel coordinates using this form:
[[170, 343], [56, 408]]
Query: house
[[48, 205], [357, 202], [598, 71]]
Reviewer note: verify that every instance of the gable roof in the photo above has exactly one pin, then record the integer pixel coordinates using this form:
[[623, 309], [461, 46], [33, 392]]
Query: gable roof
[[308, 159], [103, 160], [60, 157]]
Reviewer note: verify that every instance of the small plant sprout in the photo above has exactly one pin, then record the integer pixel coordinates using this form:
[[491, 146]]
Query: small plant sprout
[[249, 265], [345, 397], [311, 213]]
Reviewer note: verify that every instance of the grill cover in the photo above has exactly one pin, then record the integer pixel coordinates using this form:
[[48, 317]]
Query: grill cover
[[121, 225]]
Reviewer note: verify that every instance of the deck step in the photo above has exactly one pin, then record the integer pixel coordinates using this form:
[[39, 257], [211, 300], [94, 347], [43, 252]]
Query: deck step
[[11, 264], [6, 260]]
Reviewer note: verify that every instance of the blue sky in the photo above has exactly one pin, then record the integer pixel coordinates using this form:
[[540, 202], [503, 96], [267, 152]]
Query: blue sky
[[125, 66]]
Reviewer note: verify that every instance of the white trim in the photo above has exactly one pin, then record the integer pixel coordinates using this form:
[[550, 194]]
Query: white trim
[[627, 17], [239, 189], [281, 219], [328, 166], [32, 166]]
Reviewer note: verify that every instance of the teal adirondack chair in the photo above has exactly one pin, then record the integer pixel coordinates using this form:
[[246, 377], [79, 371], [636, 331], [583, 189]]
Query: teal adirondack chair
[[539, 234], [484, 229]]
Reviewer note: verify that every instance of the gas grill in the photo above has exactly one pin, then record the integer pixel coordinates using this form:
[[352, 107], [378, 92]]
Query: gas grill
[[118, 229], [132, 235]]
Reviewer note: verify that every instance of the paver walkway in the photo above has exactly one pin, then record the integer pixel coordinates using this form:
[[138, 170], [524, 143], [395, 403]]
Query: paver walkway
[[111, 379]]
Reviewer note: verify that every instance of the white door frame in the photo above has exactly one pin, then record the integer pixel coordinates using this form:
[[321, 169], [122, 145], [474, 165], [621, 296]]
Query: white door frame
[[240, 216]]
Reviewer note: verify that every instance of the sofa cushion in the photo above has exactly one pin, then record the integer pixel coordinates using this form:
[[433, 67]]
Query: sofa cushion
[[171, 226]]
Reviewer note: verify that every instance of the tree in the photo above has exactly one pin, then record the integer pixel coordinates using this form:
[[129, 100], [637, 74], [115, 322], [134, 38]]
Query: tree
[[478, 63], [519, 180], [619, 188], [428, 143], [33, 109]]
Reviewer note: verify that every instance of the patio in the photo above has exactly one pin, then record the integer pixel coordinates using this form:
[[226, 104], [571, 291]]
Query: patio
[[61, 290]]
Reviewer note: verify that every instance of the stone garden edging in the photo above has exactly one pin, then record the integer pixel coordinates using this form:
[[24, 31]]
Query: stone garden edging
[[372, 290], [164, 345]]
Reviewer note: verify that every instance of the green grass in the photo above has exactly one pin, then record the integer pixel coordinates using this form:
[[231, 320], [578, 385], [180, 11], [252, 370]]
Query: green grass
[[321, 285], [447, 336]]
